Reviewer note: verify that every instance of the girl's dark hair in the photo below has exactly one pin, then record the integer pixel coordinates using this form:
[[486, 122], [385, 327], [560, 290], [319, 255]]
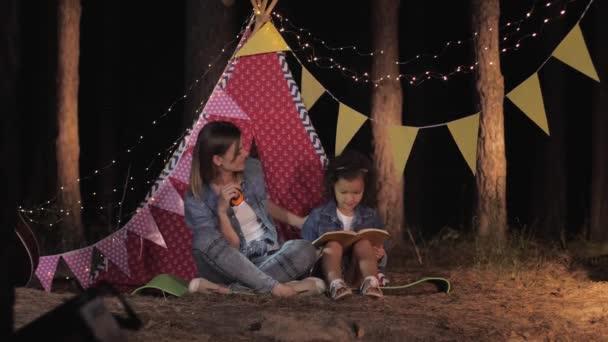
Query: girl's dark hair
[[350, 165], [215, 138]]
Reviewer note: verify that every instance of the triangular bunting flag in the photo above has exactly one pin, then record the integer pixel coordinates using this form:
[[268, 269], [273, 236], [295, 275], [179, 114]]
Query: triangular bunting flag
[[180, 187], [115, 249], [349, 122], [79, 262], [573, 52], [221, 104], [402, 140], [465, 132], [47, 265], [143, 224], [167, 198], [311, 89], [267, 39], [182, 170], [196, 129], [528, 97]]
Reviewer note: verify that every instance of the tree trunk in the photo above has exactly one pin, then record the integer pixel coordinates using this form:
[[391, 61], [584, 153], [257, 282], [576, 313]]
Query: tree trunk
[[209, 26], [491, 175], [9, 144], [387, 101], [599, 163], [67, 144]]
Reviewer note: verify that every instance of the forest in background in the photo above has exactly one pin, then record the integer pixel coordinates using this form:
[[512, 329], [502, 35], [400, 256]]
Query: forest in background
[[137, 59]]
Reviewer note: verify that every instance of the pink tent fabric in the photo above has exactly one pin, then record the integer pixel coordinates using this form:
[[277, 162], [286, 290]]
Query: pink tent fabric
[[258, 94]]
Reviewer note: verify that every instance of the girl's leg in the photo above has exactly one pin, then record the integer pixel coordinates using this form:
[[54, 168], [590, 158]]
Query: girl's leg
[[366, 263], [294, 260], [365, 260], [220, 263], [332, 261], [332, 270]]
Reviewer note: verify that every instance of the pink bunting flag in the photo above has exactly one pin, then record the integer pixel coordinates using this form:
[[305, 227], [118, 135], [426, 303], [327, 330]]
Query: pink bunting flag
[[182, 170], [47, 265], [167, 198], [202, 121], [114, 248], [221, 104], [180, 187], [143, 224], [79, 262]]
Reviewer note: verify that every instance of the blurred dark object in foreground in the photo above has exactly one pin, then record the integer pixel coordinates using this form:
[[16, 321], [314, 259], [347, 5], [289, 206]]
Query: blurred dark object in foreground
[[83, 318]]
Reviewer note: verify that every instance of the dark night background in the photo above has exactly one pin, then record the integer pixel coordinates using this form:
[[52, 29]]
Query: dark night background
[[132, 68]]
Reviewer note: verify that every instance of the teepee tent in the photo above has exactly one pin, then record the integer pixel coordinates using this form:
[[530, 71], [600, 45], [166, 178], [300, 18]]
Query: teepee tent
[[256, 92]]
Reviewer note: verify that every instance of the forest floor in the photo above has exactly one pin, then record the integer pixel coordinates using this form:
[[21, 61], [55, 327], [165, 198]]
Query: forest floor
[[514, 296]]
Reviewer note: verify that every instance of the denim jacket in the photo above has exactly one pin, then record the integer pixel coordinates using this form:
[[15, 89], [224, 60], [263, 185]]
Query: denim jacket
[[202, 218], [325, 219]]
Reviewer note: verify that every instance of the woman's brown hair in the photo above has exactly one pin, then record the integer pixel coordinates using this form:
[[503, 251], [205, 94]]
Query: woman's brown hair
[[215, 138]]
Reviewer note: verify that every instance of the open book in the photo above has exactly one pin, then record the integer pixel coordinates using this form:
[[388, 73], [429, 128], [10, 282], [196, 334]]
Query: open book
[[346, 237]]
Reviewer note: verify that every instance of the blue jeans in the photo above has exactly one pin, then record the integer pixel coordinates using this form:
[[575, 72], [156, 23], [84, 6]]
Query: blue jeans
[[220, 263]]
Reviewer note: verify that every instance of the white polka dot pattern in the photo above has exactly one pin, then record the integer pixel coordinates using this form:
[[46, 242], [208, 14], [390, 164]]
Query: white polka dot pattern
[[182, 170], [195, 130], [115, 249], [221, 104], [143, 224], [46, 270], [168, 199], [79, 262]]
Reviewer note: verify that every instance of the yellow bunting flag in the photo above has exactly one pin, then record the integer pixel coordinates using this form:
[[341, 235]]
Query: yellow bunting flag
[[465, 132], [311, 89], [402, 140], [349, 122], [573, 51], [529, 99], [266, 39]]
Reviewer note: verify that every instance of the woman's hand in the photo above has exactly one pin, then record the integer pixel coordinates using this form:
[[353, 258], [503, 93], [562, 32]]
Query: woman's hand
[[379, 252], [226, 193]]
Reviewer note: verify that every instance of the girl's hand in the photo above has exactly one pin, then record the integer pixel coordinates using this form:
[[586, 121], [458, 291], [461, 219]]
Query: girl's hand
[[226, 193], [379, 252]]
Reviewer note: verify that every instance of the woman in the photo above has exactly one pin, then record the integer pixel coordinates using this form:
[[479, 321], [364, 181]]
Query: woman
[[237, 245]]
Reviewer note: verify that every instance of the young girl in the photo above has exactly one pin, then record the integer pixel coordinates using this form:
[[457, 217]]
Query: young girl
[[349, 186]]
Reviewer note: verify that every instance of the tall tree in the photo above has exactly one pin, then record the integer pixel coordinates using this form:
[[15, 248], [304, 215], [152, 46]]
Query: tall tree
[[599, 167], [67, 144], [210, 25], [387, 101], [491, 177]]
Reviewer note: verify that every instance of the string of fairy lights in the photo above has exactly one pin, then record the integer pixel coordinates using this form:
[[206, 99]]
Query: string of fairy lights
[[308, 45], [512, 39], [53, 215]]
